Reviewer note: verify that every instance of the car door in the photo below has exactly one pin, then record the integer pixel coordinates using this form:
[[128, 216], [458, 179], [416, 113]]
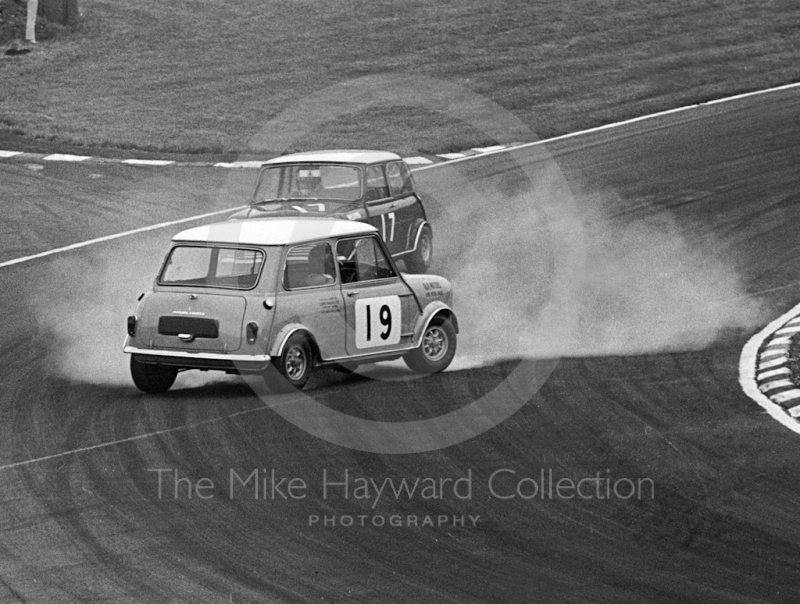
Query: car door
[[380, 308], [405, 206], [310, 295], [381, 209]]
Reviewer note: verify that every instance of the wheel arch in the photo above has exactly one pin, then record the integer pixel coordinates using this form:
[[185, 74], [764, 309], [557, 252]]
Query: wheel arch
[[414, 233], [288, 331], [432, 311]]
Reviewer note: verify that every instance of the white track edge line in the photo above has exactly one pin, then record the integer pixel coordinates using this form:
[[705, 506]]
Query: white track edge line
[[81, 244], [634, 120], [747, 361], [504, 150], [747, 371]]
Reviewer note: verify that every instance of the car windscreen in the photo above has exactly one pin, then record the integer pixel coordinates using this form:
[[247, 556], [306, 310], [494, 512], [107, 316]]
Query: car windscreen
[[308, 181], [208, 266]]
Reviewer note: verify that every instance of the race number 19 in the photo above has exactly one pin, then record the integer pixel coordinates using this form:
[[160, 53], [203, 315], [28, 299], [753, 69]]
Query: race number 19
[[377, 321]]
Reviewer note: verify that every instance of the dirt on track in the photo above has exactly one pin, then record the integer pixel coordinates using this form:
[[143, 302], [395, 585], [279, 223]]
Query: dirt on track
[[691, 216]]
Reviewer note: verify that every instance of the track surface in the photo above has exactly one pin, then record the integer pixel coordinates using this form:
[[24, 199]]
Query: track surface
[[89, 526]]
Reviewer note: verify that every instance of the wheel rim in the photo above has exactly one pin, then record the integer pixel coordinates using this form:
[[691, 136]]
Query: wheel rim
[[434, 343], [295, 363], [425, 247]]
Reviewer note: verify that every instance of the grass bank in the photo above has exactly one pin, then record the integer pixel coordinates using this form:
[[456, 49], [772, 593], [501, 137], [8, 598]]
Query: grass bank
[[202, 75]]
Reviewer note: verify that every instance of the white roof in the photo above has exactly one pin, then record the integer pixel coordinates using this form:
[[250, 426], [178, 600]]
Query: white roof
[[350, 156], [273, 231]]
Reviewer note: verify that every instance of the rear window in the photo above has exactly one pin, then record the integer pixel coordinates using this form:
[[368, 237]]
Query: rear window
[[227, 267]]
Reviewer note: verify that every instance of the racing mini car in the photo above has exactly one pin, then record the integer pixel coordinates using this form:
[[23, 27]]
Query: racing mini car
[[281, 297], [375, 187]]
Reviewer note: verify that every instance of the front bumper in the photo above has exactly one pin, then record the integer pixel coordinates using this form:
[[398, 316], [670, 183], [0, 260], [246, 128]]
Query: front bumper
[[233, 363]]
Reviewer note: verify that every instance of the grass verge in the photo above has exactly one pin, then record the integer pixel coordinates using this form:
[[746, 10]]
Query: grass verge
[[205, 76]]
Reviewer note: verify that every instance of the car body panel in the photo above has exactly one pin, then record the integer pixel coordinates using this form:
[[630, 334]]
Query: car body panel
[[345, 156], [388, 200], [429, 288], [319, 311], [395, 219], [413, 236], [373, 309], [179, 319], [380, 316], [271, 232], [430, 312]]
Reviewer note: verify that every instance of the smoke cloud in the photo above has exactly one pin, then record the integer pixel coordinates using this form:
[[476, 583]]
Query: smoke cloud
[[541, 273], [538, 273], [82, 300]]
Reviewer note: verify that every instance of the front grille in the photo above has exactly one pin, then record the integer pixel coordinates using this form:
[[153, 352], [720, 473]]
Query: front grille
[[199, 328]]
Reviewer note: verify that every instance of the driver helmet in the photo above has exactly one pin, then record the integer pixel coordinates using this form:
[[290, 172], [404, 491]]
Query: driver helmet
[[308, 178]]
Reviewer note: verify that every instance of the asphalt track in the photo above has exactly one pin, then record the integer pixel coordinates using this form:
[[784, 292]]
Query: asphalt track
[[81, 519]]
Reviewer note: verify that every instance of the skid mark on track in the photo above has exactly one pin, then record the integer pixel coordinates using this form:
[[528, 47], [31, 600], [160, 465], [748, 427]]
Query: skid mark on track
[[190, 426]]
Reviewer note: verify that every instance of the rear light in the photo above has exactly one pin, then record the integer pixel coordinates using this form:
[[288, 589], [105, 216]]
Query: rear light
[[131, 326], [252, 332]]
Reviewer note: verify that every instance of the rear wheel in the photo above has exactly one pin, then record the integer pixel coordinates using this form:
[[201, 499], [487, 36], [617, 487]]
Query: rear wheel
[[295, 363], [150, 378], [419, 261], [436, 350]]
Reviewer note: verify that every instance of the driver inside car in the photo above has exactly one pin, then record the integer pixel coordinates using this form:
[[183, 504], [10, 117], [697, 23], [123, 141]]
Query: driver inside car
[[321, 270], [308, 184]]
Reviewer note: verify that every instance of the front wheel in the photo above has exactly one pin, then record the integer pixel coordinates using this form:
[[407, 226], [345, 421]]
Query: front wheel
[[295, 363], [150, 378], [419, 261], [436, 349]]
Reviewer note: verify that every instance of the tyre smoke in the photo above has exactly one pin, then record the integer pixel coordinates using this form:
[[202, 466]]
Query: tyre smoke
[[540, 272], [82, 301]]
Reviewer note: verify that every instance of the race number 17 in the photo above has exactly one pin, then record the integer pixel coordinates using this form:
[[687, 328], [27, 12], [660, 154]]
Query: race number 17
[[387, 235], [378, 321]]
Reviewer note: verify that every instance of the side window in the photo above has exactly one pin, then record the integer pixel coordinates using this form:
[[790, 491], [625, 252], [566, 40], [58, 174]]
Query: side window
[[309, 265], [239, 267], [376, 184], [399, 176], [362, 260]]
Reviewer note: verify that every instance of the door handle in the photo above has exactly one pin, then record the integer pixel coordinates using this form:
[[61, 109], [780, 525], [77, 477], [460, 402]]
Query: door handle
[[352, 292]]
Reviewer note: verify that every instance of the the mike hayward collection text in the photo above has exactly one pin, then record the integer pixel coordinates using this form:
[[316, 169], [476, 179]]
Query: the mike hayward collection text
[[503, 484]]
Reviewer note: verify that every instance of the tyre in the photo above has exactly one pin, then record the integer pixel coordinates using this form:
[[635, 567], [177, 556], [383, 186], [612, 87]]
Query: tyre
[[436, 349], [420, 260], [294, 365], [152, 379]]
